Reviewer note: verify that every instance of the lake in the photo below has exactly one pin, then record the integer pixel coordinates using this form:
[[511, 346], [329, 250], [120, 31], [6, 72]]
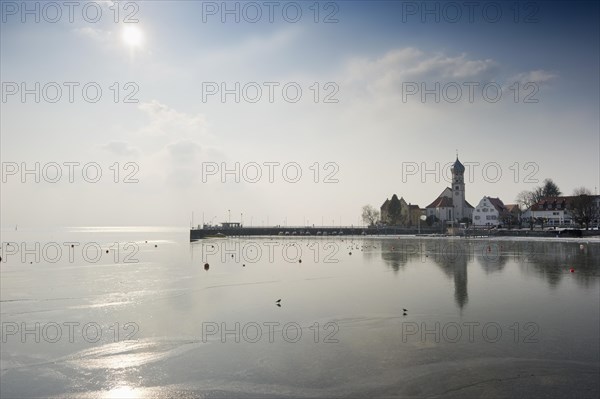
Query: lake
[[142, 312]]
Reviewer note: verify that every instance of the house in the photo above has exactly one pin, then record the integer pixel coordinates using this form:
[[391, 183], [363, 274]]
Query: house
[[386, 215], [408, 214], [414, 214], [596, 211], [557, 211], [554, 211], [513, 216], [384, 211], [489, 212]]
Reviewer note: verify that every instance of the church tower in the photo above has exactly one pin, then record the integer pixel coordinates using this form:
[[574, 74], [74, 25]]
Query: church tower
[[458, 190]]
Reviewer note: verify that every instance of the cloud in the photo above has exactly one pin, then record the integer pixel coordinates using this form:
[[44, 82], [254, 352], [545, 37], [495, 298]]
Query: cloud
[[177, 141], [184, 150], [382, 78], [168, 122], [538, 76], [96, 34], [106, 3], [412, 65], [121, 148], [182, 177], [182, 162]]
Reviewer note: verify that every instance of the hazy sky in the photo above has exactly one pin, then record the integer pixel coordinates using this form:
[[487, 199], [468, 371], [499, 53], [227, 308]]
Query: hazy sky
[[365, 63]]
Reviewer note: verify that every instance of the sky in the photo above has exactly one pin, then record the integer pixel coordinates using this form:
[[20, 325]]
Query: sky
[[299, 113]]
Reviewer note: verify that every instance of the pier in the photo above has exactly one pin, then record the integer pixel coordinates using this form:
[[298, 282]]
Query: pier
[[236, 230]]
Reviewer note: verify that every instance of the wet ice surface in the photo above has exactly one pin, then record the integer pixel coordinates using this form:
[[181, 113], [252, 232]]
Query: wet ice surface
[[484, 318]]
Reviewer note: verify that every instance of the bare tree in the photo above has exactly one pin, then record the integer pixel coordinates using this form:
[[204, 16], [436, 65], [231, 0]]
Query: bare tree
[[537, 194], [370, 215], [525, 199], [583, 207], [582, 191]]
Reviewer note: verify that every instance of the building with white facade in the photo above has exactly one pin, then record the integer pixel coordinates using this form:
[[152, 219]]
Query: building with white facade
[[557, 211], [489, 212], [554, 211]]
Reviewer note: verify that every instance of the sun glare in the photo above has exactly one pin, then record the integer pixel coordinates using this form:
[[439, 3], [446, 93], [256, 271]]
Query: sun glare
[[122, 393], [133, 36]]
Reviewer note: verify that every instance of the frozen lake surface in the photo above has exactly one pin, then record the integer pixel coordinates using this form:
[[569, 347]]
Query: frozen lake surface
[[501, 318]]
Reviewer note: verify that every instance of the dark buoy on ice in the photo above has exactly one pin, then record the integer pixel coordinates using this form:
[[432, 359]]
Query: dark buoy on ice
[[206, 266]]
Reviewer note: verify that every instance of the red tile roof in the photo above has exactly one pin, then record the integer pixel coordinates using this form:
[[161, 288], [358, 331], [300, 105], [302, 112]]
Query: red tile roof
[[445, 202], [553, 203], [497, 203], [441, 202]]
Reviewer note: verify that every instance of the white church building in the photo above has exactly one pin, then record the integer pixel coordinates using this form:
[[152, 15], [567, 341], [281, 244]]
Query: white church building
[[450, 206]]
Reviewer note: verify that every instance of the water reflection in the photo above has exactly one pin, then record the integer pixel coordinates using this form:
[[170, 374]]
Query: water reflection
[[550, 260], [451, 258], [457, 269], [123, 392], [554, 261]]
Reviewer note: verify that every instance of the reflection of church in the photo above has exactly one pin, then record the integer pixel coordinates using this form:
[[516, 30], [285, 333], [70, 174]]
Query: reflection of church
[[453, 261], [460, 283], [451, 206]]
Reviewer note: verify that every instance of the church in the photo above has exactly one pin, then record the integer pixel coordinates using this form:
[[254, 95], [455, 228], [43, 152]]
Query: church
[[451, 206]]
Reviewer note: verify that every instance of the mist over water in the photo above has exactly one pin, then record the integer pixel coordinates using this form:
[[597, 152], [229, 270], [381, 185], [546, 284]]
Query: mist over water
[[158, 316]]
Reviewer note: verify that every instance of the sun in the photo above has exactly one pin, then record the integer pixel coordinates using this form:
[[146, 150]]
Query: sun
[[133, 36]]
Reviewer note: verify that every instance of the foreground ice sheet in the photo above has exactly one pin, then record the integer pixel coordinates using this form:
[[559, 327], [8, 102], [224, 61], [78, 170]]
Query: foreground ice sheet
[[502, 318]]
